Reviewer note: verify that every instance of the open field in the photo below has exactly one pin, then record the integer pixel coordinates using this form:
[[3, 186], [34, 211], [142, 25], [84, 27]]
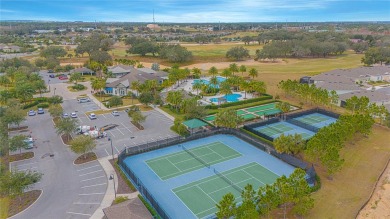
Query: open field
[[242, 34], [351, 187]]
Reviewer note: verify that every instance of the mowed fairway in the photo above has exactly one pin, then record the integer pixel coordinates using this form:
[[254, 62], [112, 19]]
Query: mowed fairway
[[182, 162], [343, 196]]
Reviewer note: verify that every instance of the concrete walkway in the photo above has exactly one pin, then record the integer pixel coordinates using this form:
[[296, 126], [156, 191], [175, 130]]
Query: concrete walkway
[[164, 113], [109, 197]]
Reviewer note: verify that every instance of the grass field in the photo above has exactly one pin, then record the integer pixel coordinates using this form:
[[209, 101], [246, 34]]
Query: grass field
[[342, 196], [179, 163], [201, 196], [4, 203]]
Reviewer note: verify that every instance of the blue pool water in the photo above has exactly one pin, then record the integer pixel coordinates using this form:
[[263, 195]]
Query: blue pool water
[[204, 81], [229, 98]]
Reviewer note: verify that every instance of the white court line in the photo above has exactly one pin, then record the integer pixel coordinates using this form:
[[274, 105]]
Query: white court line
[[92, 178], [106, 152], [91, 203], [69, 212], [91, 172], [94, 185], [88, 167], [126, 128], [93, 194], [119, 130]]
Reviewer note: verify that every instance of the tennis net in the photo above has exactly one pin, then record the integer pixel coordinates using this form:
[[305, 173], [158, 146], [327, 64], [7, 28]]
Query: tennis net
[[196, 157], [227, 180], [275, 129]]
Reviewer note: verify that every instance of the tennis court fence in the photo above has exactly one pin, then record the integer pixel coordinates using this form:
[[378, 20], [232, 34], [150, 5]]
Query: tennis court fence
[[307, 112], [303, 125], [150, 146]]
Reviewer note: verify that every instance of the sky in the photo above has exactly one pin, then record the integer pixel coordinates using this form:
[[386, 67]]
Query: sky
[[196, 11]]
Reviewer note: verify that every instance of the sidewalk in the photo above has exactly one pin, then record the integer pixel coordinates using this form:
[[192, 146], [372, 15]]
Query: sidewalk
[[164, 113], [98, 103], [109, 197]]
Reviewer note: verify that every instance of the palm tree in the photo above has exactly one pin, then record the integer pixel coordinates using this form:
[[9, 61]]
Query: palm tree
[[258, 86], [224, 88], [226, 73], [233, 68], [196, 72], [253, 73], [213, 71], [175, 98], [197, 86], [284, 107], [242, 69], [135, 85], [214, 82], [245, 86]]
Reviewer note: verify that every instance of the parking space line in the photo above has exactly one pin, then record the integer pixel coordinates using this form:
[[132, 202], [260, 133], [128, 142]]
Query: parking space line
[[25, 164], [92, 178], [88, 167], [119, 130], [107, 152], [93, 194], [90, 203], [126, 128], [116, 149], [111, 133], [104, 116], [91, 172], [94, 185], [70, 212]]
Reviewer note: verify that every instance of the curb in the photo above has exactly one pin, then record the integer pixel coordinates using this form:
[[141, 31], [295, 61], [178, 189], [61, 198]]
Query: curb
[[21, 160], [30, 205], [86, 162]]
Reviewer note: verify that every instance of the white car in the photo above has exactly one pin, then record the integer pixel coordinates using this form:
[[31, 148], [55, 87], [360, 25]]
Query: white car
[[30, 143], [65, 115], [84, 100], [115, 113], [92, 116], [73, 115]]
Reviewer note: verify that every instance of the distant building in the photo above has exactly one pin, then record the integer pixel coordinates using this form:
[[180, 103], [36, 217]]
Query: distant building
[[153, 26], [120, 70], [121, 86], [9, 49], [83, 71]]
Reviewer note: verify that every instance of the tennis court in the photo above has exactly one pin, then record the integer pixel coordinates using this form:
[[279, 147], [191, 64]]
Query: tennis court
[[201, 196], [316, 119], [252, 112], [274, 130], [188, 160]]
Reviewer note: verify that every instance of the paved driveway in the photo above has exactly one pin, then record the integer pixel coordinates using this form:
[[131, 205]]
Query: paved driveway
[[63, 183]]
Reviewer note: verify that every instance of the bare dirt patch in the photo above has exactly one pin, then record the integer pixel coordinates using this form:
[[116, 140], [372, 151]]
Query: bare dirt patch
[[90, 156], [66, 139], [23, 201]]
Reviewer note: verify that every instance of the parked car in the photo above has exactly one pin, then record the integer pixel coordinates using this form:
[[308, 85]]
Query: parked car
[[84, 100], [65, 115], [109, 126], [31, 113], [30, 142], [73, 115], [115, 113], [63, 77], [51, 76], [50, 71], [92, 116], [40, 111]]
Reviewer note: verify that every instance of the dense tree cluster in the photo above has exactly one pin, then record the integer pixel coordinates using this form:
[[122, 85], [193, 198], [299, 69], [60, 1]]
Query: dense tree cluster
[[286, 192], [326, 144], [97, 47], [308, 93], [375, 55]]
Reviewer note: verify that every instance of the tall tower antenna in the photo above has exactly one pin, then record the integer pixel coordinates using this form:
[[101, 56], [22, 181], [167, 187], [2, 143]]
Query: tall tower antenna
[[154, 22]]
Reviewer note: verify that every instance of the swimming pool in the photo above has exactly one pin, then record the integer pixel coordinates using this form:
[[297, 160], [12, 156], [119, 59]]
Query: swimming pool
[[229, 98], [204, 81]]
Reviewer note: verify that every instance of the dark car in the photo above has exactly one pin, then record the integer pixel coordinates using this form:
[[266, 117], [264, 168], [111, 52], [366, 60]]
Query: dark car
[[50, 71], [51, 76]]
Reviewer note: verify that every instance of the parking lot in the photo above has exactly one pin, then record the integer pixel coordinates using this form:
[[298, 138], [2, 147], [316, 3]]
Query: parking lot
[[157, 127]]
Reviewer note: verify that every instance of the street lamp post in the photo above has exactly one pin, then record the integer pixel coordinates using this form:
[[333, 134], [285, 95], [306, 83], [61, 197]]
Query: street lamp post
[[112, 177], [112, 148]]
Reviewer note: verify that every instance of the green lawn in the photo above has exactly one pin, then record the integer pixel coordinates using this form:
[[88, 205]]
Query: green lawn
[[4, 204], [213, 50]]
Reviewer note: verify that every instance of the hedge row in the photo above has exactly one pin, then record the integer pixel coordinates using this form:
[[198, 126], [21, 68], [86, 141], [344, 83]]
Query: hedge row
[[149, 207], [37, 101], [265, 97]]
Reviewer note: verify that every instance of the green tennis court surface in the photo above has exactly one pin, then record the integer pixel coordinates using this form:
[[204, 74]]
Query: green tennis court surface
[[201, 196], [182, 162], [261, 107], [312, 119], [209, 118]]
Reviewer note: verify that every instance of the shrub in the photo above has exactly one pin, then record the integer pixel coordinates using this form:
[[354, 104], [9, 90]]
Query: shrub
[[120, 199], [265, 97], [26, 106], [78, 87], [43, 105], [55, 99], [115, 101], [41, 99]]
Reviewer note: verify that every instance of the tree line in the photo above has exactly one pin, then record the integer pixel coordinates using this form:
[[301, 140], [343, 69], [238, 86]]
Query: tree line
[[287, 192]]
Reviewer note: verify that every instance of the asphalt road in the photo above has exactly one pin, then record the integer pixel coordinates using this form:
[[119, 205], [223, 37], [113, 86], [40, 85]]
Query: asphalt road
[[69, 191]]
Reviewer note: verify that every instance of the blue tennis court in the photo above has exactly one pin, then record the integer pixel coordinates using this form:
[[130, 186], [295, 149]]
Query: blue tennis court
[[316, 119], [274, 130], [179, 194]]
